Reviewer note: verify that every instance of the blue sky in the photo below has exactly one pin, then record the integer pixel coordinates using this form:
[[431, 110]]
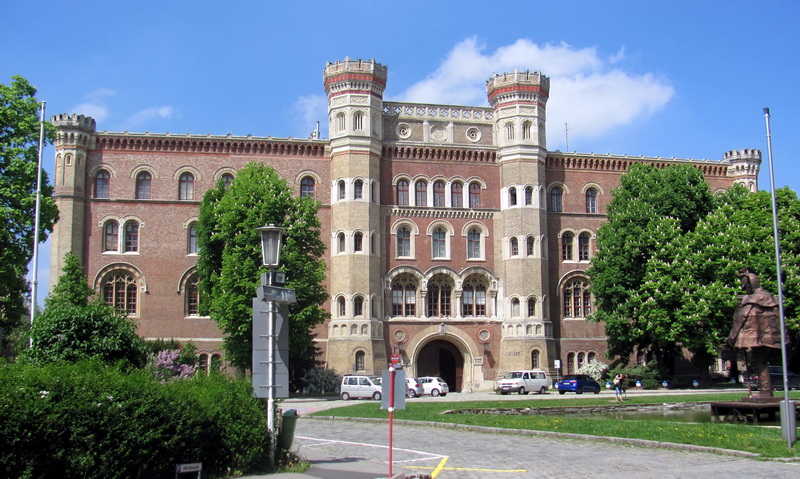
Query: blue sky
[[686, 79]]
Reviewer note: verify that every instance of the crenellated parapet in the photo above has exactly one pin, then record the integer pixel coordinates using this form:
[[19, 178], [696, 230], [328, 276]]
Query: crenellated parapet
[[355, 76], [744, 166], [516, 87], [74, 131]]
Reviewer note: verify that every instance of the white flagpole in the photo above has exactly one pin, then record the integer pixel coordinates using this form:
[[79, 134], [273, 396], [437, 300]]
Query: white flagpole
[[35, 277]]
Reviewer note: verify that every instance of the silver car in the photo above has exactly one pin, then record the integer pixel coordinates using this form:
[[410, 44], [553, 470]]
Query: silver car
[[414, 388], [435, 386]]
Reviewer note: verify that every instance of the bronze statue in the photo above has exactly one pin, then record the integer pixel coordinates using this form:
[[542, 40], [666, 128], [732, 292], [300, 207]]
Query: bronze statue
[[756, 326]]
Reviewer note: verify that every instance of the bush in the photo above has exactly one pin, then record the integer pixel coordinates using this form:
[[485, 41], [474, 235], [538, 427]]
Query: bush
[[648, 375], [594, 369], [91, 420]]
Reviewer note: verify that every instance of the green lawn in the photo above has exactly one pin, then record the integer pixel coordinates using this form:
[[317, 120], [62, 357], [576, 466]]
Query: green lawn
[[766, 441]]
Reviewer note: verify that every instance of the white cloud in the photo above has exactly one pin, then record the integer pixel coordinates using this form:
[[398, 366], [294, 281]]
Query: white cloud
[[143, 116], [95, 106], [307, 111], [585, 91]]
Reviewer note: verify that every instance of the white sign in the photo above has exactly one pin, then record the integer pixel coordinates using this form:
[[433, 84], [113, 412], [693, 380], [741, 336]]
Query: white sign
[[557, 364]]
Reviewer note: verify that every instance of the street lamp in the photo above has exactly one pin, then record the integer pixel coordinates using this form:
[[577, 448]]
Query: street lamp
[[271, 245]]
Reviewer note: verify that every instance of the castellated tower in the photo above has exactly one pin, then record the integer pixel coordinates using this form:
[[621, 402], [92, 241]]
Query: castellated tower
[[744, 167], [355, 103], [519, 100], [74, 138]]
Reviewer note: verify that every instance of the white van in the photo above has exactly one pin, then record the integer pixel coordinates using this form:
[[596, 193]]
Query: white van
[[360, 387], [524, 382]]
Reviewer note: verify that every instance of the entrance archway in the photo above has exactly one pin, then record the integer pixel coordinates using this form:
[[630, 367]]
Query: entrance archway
[[443, 359]]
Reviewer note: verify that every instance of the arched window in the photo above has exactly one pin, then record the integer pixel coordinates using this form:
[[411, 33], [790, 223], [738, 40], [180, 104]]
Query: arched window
[[191, 238], [591, 356], [526, 130], [421, 193], [474, 246], [202, 362], [528, 195], [216, 363], [402, 193], [340, 122], [359, 362], [515, 308], [143, 182], [439, 243], [186, 186], [341, 189], [509, 131], [591, 200], [583, 246], [474, 195], [473, 299], [514, 246], [341, 243], [581, 359], [342, 308], [403, 242], [457, 195], [535, 359], [577, 298], [531, 307], [358, 189], [358, 306], [529, 244], [440, 289], [101, 184], [570, 363], [227, 180], [307, 185], [119, 290], [111, 236], [358, 242], [404, 296], [192, 296], [556, 194], [566, 246], [358, 120], [131, 237], [512, 196], [438, 194]]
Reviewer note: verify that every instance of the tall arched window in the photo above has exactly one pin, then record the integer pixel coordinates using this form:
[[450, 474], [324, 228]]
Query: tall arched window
[[202, 362], [566, 246], [342, 307], [340, 122], [227, 179], [358, 306], [438, 194], [556, 196], [512, 196], [474, 250], [119, 290], [577, 298], [440, 289], [358, 120], [583, 246], [402, 193], [474, 195], [186, 186], [526, 130], [515, 308], [529, 244], [341, 187], [358, 242], [143, 182], [457, 195], [581, 359], [509, 131], [591, 200], [439, 243], [359, 362], [192, 296], [514, 246], [473, 298], [403, 242], [535, 359], [570, 363], [421, 193], [191, 238], [101, 184], [404, 296], [531, 307], [307, 186], [111, 236], [341, 243], [528, 195], [131, 237], [358, 189]]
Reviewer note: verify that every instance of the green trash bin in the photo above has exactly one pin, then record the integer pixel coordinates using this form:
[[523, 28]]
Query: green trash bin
[[286, 434]]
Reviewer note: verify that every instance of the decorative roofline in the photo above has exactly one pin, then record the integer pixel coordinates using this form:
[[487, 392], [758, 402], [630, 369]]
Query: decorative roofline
[[451, 213], [439, 153], [592, 161], [456, 113], [210, 144]]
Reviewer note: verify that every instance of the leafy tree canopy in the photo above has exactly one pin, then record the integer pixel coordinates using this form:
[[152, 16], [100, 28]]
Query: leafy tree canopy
[[19, 152], [229, 265]]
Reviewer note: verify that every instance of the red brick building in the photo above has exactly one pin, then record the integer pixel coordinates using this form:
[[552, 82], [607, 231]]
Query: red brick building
[[455, 238]]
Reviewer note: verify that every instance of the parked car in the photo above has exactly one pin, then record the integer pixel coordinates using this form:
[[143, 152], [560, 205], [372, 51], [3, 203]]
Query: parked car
[[523, 382], [360, 387], [776, 376], [577, 383], [415, 389], [434, 386]]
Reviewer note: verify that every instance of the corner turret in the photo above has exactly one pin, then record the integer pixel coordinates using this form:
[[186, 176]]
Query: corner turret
[[744, 166]]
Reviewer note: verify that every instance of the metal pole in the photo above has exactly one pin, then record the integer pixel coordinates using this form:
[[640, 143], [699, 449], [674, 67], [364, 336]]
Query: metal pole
[[784, 360], [35, 277], [271, 378]]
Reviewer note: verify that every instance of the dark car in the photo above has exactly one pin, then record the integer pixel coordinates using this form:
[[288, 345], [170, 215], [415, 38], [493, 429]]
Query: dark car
[[776, 376], [577, 383]]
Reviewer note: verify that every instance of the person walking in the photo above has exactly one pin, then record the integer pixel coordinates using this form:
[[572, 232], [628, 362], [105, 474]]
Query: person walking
[[619, 387]]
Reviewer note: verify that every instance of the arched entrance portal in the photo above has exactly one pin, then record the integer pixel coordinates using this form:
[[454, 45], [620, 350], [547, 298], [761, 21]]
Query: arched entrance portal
[[441, 358]]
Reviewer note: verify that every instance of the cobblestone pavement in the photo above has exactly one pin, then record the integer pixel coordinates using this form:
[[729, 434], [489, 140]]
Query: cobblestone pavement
[[421, 449]]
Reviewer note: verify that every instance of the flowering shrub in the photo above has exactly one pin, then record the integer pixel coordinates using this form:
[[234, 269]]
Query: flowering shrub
[[595, 369], [166, 366]]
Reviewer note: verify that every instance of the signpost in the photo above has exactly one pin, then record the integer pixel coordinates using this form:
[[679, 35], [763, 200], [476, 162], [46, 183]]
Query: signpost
[[393, 381]]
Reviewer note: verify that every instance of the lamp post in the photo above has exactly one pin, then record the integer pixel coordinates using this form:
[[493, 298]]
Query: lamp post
[[270, 253]]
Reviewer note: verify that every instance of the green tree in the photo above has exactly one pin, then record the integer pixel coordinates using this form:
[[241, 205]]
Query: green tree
[[72, 286], [19, 152], [230, 262], [650, 207]]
